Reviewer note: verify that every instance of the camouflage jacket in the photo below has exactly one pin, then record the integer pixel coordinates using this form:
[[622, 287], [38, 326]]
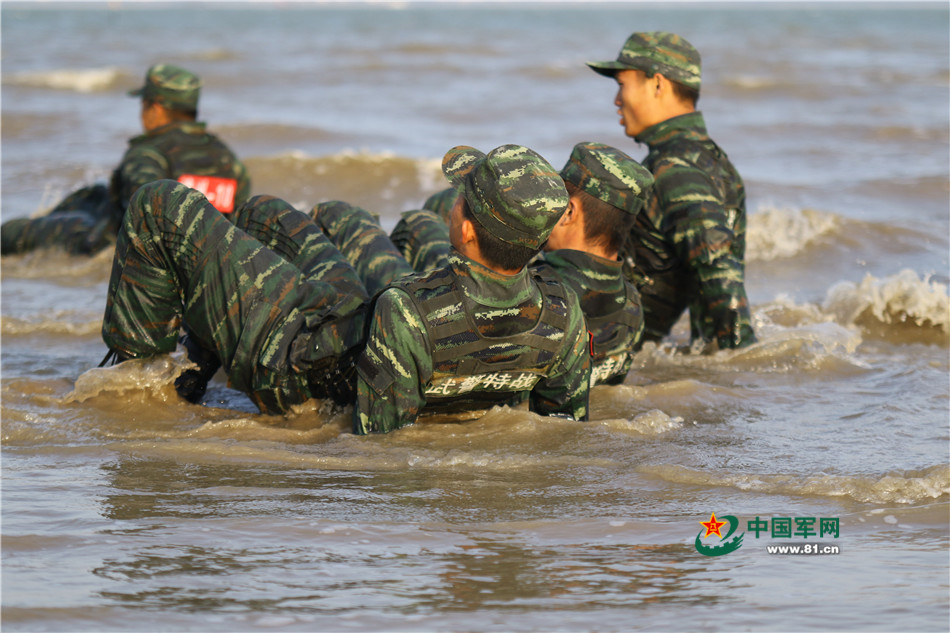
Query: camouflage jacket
[[171, 151], [403, 368], [611, 307], [689, 241]]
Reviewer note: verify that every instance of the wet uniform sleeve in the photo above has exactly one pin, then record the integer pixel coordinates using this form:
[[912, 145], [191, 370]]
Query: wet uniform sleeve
[[394, 367], [141, 165], [565, 392], [702, 231]]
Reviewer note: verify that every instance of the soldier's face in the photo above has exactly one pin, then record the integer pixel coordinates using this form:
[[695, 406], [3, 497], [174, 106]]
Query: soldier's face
[[455, 224], [636, 101], [151, 116]]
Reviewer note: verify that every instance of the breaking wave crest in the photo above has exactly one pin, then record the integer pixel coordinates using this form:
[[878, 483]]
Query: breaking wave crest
[[774, 233], [904, 487], [77, 80], [905, 307], [382, 183]]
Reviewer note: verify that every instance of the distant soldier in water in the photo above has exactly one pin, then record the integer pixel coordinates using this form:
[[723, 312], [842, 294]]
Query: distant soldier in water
[[483, 329], [687, 246], [606, 190], [175, 146]]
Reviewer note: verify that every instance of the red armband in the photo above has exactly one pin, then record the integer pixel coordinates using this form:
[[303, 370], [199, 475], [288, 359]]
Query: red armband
[[219, 191]]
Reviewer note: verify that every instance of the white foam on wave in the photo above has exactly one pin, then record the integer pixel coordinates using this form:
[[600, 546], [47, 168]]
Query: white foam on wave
[[774, 233], [651, 423], [904, 298], [81, 80], [790, 338]]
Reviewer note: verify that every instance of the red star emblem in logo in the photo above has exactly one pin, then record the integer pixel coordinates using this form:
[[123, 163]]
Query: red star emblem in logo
[[712, 526]]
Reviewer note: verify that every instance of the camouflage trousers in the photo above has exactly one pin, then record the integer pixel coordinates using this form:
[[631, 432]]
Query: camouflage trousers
[[419, 242], [267, 292], [83, 223]]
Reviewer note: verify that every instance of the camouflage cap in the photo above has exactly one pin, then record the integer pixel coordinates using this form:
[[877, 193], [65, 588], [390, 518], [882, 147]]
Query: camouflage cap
[[609, 175], [171, 86], [657, 52], [513, 192]]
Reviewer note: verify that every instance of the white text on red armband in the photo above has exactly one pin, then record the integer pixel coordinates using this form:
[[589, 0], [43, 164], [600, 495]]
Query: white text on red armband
[[219, 191]]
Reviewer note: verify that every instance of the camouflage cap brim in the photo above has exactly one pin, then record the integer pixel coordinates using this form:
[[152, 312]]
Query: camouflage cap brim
[[608, 69]]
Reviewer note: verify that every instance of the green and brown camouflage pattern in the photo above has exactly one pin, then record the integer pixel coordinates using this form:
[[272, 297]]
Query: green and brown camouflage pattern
[[611, 307], [87, 221], [441, 202], [357, 234], [657, 52], [398, 374], [608, 174], [170, 86], [423, 239], [512, 191], [687, 248], [81, 224], [272, 315]]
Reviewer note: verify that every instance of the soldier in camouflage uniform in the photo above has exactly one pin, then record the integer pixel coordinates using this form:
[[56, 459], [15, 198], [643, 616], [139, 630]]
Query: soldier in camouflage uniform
[[266, 294], [175, 145], [483, 330], [607, 189], [687, 247]]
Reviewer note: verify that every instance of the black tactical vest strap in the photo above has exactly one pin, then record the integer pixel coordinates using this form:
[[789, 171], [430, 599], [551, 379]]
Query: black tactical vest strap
[[624, 316]]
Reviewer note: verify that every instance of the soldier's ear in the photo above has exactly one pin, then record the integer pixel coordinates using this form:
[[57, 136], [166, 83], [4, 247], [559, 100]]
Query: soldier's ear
[[573, 212], [468, 232]]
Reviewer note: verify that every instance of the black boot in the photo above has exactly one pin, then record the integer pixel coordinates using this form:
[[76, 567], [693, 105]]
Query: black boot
[[192, 383]]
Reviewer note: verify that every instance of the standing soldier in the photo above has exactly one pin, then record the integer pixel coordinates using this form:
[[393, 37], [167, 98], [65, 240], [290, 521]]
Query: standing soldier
[[484, 329], [175, 146], [687, 247]]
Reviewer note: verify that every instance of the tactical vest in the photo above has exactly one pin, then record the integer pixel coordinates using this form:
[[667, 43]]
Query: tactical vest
[[610, 355], [464, 376]]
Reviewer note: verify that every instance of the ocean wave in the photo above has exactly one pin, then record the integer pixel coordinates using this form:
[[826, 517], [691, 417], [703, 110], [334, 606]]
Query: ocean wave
[[774, 233], [782, 347], [58, 266], [902, 306], [59, 323], [905, 487], [751, 83], [382, 183], [651, 423], [77, 80]]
